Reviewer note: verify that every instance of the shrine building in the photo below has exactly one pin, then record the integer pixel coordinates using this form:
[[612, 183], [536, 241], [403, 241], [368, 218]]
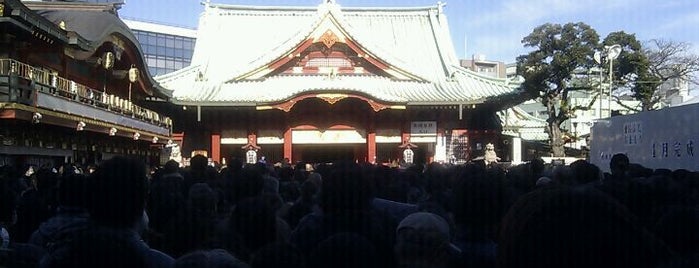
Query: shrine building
[[73, 87], [327, 82]]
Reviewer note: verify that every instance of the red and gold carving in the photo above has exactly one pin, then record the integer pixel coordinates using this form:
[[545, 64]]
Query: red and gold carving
[[331, 98], [377, 106], [286, 106], [329, 38]]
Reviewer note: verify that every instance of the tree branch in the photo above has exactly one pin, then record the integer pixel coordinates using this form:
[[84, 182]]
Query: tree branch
[[622, 104]]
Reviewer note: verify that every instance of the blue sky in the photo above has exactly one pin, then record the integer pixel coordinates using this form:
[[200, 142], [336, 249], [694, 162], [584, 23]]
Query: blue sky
[[491, 27]]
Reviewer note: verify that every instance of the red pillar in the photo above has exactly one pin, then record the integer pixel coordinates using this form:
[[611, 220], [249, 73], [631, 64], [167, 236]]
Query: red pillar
[[371, 147], [216, 147], [287, 144], [371, 139]]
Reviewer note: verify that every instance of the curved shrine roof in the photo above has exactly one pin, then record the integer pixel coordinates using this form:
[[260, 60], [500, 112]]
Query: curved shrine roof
[[235, 40], [95, 24]]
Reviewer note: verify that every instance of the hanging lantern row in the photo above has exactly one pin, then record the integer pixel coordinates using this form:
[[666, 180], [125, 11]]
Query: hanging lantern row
[[80, 126]]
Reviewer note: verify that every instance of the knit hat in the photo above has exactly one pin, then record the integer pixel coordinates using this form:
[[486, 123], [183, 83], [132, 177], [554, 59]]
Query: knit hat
[[428, 222]]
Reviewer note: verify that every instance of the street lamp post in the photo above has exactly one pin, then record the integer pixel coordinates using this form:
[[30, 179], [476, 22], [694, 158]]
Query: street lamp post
[[575, 135], [613, 52], [609, 54]]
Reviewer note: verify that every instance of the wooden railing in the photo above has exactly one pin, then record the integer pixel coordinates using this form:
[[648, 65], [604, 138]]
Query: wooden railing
[[73, 91]]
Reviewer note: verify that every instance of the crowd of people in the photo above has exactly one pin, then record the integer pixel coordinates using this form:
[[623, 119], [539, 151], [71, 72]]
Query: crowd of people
[[347, 214]]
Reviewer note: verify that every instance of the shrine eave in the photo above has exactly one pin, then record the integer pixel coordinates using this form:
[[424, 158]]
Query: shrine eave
[[314, 8], [212, 103], [50, 116]]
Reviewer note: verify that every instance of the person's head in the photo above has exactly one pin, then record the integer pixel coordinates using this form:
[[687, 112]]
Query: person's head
[[46, 180], [584, 172], [270, 185], [73, 191], [422, 240], [562, 175], [316, 179], [308, 190], [344, 250], [198, 162], [544, 181], [277, 255], [345, 189], [478, 202], [119, 188], [202, 198], [619, 165], [216, 258], [97, 248], [249, 183], [254, 220], [171, 166], [234, 164], [639, 171], [536, 166], [436, 175], [678, 228], [565, 227]]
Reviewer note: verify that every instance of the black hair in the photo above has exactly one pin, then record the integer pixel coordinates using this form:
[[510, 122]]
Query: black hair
[[119, 188]]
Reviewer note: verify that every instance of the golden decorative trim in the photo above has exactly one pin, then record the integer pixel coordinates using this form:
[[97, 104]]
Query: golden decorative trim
[[329, 38], [377, 106], [331, 98], [2, 9]]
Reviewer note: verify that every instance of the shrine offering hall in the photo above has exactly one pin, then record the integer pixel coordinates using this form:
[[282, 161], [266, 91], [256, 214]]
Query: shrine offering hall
[[324, 83]]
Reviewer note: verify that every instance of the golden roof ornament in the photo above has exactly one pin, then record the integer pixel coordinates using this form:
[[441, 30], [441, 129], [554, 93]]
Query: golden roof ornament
[[62, 25], [329, 38]]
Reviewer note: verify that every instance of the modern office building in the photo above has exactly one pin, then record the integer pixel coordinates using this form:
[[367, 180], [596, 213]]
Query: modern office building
[[166, 48], [479, 64]]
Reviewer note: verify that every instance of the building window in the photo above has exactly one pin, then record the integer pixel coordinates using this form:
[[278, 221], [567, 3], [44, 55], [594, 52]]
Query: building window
[[486, 69], [165, 53]]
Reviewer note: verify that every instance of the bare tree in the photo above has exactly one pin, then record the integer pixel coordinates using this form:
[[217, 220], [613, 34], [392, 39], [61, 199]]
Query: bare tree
[[668, 61]]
